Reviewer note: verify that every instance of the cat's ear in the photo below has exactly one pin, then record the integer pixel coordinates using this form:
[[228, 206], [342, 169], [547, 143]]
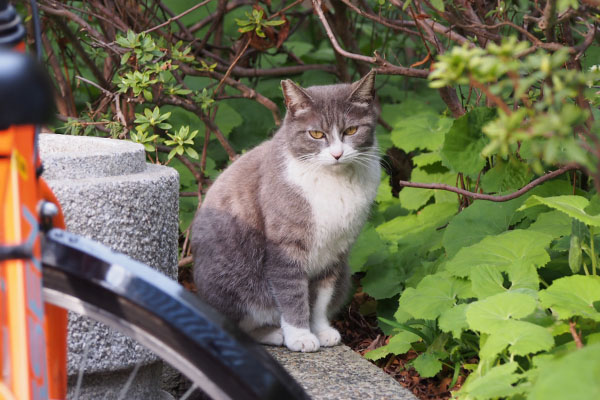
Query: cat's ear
[[296, 98], [363, 91]]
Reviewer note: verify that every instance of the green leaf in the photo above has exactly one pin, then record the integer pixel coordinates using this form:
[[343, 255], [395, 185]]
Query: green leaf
[[575, 376], [227, 118], [454, 320], [192, 153], [578, 231], [464, 142], [424, 159], [496, 383], [415, 198], [274, 23], [383, 281], [573, 295], [487, 281], [427, 365], [424, 130], [554, 223], [172, 153], [571, 205], [490, 314], [506, 176], [439, 4], [521, 338], [467, 228], [431, 216], [518, 252], [434, 295], [398, 344], [368, 245]]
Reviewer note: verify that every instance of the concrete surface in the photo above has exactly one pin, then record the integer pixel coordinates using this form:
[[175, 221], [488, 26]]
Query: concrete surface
[[110, 194], [339, 373]]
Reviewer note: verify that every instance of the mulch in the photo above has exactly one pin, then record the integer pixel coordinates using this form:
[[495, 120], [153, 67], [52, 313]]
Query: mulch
[[360, 332]]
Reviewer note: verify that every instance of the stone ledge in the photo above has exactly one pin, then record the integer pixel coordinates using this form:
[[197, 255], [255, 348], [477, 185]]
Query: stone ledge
[[339, 373]]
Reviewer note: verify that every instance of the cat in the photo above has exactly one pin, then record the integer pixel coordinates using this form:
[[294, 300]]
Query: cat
[[271, 238]]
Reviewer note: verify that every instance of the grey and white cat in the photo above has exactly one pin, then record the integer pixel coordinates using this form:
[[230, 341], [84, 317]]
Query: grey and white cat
[[271, 239]]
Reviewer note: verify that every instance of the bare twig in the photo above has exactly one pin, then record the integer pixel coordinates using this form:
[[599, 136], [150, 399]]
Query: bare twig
[[480, 196], [576, 337], [385, 67], [175, 18]]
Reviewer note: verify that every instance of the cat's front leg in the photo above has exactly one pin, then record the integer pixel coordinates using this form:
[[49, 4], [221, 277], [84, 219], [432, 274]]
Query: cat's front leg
[[319, 321], [289, 287]]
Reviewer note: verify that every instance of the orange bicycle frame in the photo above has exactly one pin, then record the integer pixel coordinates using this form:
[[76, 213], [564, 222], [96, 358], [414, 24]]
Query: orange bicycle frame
[[32, 335]]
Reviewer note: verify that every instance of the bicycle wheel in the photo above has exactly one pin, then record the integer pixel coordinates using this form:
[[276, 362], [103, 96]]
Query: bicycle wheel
[[90, 279]]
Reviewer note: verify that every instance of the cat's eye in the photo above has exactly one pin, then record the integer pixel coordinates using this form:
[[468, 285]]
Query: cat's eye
[[317, 134], [350, 131]]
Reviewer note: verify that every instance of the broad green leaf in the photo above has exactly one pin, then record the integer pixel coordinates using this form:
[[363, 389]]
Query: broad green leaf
[[383, 281], [467, 228], [424, 159], [554, 223], [368, 245], [520, 337], [424, 130], [464, 141], [299, 48], [227, 118], [490, 314], [454, 320], [506, 176], [434, 295], [575, 376], [511, 251], [427, 365], [415, 198], [571, 205], [573, 295], [430, 217], [398, 344], [487, 281], [496, 383], [394, 114]]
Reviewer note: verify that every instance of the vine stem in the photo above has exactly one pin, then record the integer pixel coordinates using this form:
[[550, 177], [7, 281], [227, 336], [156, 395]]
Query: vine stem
[[489, 197], [575, 335]]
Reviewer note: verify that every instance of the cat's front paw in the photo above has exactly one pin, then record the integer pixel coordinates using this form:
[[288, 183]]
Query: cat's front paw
[[329, 337], [303, 341]]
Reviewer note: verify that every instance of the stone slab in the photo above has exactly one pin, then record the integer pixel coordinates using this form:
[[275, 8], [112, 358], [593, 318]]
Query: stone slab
[[339, 373]]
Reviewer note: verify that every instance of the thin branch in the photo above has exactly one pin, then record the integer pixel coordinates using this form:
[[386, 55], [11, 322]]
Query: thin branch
[[175, 18], [576, 337], [333, 40], [489, 197], [496, 99], [235, 61], [385, 67], [185, 261], [247, 92]]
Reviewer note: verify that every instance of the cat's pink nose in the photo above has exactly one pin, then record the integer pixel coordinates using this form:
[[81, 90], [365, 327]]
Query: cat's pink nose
[[336, 154]]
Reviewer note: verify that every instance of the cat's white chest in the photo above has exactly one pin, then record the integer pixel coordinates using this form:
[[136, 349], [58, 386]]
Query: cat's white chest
[[340, 202]]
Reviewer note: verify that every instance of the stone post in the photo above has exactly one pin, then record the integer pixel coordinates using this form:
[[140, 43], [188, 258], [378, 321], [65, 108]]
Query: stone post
[[110, 194]]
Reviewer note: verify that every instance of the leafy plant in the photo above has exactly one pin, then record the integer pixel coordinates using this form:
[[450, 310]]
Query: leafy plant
[[255, 22], [179, 140]]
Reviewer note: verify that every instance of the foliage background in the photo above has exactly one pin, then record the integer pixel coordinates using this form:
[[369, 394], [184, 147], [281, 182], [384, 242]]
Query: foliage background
[[486, 262]]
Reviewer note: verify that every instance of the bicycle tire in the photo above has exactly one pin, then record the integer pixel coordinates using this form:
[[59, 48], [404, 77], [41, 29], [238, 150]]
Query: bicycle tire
[[88, 278]]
